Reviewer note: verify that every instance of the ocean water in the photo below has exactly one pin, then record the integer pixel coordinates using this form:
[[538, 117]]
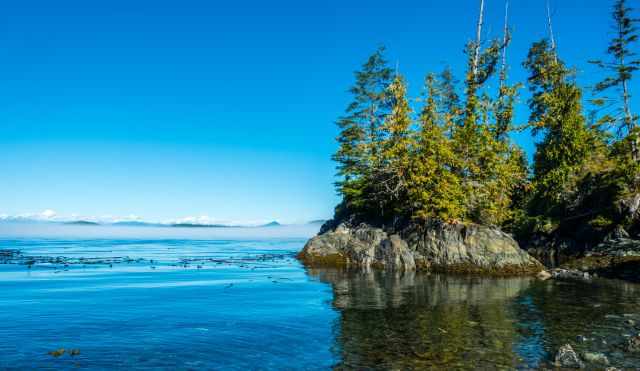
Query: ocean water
[[236, 299]]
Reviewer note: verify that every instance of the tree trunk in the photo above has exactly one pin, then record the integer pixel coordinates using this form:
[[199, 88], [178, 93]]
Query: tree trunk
[[552, 39], [505, 42], [476, 53], [628, 122]]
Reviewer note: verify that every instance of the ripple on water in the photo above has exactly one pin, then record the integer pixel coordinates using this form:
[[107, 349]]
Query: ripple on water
[[248, 304]]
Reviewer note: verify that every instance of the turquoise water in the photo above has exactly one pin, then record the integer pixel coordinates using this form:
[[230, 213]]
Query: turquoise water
[[238, 303]]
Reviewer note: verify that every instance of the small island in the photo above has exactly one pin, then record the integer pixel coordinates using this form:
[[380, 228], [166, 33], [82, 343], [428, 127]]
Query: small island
[[443, 187]]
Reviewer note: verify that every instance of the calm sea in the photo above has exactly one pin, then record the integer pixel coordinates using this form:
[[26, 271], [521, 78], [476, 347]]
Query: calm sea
[[236, 299]]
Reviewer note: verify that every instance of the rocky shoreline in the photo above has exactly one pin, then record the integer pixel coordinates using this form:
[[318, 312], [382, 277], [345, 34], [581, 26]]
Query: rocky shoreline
[[443, 247], [463, 248]]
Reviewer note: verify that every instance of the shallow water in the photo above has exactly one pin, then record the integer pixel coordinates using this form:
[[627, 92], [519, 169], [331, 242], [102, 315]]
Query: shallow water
[[240, 303]]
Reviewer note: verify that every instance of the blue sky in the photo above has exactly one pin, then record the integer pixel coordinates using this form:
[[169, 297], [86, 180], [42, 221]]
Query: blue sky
[[167, 109]]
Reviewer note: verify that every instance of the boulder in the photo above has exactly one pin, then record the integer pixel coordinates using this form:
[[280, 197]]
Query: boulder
[[441, 247], [633, 344], [568, 358], [597, 358], [570, 274], [543, 275]]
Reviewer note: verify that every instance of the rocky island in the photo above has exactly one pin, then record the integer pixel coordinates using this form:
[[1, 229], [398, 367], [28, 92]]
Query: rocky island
[[445, 188], [438, 247]]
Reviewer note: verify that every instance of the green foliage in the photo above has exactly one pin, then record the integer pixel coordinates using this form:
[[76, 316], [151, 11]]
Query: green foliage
[[434, 188], [488, 166], [360, 133], [454, 160], [390, 176], [452, 163], [567, 143], [621, 67]]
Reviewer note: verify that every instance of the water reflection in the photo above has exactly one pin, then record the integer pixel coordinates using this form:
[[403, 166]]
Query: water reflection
[[422, 321], [409, 321]]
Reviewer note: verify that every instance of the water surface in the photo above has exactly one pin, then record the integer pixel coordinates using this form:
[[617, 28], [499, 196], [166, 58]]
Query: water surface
[[241, 301]]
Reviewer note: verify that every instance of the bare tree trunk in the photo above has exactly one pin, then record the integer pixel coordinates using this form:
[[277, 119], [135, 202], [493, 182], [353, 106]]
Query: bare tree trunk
[[551, 36], [628, 116], [476, 53], [628, 121], [505, 42]]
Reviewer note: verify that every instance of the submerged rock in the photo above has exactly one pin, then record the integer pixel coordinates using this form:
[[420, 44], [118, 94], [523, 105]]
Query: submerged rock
[[443, 247], [570, 274], [567, 357], [597, 358], [633, 344], [57, 353], [543, 275]]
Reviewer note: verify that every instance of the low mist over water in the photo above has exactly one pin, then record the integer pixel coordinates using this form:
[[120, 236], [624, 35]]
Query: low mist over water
[[59, 230]]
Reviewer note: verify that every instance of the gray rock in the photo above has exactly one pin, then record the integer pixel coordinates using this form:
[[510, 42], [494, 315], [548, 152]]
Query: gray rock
[[449, 247], [633, 344], [567, 357], [581, 339], [597, 358], [570, 274], [543, 275], [630, 206]]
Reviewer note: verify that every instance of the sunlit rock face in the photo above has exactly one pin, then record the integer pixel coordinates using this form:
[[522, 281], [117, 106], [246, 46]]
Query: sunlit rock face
[[439, 247]]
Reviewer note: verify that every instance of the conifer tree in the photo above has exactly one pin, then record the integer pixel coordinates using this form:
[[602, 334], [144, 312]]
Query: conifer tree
[[622, 66], [360, 134], [448, 101], [468, 136], [434, 188], [556, 112], [391, 178], [448, 98]]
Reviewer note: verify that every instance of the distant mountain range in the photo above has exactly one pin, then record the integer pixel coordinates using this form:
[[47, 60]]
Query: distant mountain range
[[318, 221], [81, 222], [196, 225], [135, 223]]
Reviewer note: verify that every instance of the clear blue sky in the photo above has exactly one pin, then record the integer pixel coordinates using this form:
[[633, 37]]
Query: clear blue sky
[[167, 109]]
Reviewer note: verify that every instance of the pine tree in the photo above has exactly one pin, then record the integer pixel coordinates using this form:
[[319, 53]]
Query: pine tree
[[448, 101], [556, 112], [391, 177], [468, 136], [434, 189], [622, 66], [360, 134]]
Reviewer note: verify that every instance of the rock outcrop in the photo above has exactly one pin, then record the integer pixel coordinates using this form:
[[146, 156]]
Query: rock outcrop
[[438, 247], [618, 256], [567, 358]]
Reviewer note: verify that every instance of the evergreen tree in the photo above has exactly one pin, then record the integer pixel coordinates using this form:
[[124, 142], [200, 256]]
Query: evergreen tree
[[556, 112], [622, 66], [448, 101], [391, 177], [434, 188], [448, 98], [360, 134], [468, 135]]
